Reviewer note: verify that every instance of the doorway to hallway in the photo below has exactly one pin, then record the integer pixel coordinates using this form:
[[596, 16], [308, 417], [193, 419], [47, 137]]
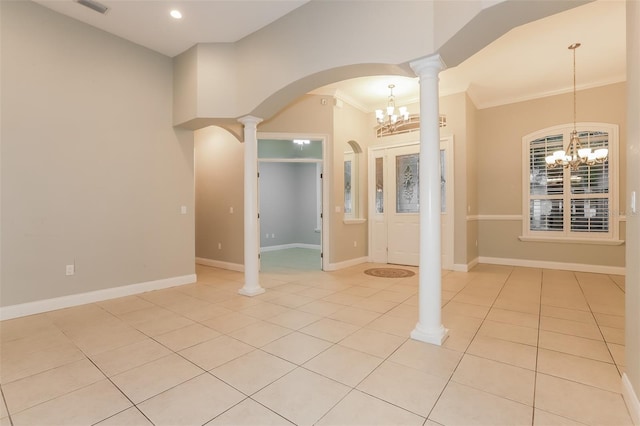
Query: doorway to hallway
[[290, 193]]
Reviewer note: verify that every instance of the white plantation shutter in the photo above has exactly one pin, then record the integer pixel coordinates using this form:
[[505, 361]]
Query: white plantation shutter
[[546, 190], [566, 203], [590, 189]]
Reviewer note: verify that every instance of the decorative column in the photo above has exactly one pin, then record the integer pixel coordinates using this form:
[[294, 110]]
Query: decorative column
[[429, 327], [251, 247]]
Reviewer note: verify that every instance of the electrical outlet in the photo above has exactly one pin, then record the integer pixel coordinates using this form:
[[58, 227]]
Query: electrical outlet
[[355, 244], [71, 269], [266, 235], [273, 235], [183, 209], [230, 210], [219, 246]]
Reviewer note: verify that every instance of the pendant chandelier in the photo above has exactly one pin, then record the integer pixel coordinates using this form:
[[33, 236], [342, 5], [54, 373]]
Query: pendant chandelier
[[390, 121], [575, 155]]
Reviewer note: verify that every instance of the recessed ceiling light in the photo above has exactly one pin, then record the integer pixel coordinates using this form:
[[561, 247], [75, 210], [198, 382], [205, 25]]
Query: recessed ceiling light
[[175, 14]]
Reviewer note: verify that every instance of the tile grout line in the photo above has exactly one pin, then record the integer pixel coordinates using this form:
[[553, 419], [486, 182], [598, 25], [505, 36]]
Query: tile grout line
[[535, 371], [598, 324], [472, 339], [4, 400]]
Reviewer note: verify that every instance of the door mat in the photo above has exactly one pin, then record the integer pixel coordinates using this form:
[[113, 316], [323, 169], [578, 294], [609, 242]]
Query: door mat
[[389, 272]]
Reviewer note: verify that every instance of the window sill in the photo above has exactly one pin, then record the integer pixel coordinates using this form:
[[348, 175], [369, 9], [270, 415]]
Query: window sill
[[354, 221], [595, 241]]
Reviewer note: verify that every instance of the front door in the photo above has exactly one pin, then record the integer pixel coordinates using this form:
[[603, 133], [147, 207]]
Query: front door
[[404, 206], [395, 209]]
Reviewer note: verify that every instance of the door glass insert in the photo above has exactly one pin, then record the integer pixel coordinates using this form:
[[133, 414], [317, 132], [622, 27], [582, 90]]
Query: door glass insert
[[348, 207], [379, 185], [443, 182], [407, 188]]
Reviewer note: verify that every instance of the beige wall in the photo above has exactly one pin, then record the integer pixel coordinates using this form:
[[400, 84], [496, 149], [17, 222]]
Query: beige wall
[[471, 167], [632, 311], [93, 173], [461, 113], [350, 124], [219, 187], [499, 136]]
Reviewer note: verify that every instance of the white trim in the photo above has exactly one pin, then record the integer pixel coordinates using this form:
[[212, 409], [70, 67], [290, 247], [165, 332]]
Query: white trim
[[290, 246], [578, 267], [622, 218], [631, 399], [546, 239], [39, 306], [460, 267], [495, 217], [346, 263], [220, 264]]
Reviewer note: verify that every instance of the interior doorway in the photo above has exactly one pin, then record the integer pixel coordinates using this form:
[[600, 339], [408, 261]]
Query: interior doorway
[[290, 199], [394, 206]]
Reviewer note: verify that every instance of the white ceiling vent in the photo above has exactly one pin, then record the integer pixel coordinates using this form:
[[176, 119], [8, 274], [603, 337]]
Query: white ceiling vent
[[94, 5]]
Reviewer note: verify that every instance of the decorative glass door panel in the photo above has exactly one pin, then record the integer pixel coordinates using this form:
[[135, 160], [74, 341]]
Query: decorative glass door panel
[[407, 184], [379, 185]]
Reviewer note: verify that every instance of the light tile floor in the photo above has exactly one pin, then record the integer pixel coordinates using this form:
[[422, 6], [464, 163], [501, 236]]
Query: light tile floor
[[526, 346]]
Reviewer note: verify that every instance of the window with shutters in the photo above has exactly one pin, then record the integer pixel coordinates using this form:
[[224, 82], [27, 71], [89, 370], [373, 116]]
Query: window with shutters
[[565, 204]]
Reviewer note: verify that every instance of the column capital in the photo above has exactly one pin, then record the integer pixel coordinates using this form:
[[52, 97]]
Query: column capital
[[250, 119], [430, 65]]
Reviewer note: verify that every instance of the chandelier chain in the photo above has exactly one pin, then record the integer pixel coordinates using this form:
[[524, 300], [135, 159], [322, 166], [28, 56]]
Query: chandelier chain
[[575, 155]]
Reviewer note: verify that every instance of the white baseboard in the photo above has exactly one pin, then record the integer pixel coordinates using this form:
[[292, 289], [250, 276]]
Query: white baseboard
[[631, 399], [220, 264], [346, 263], [290, 246], [460, 267], [40, 306], [578, 267]]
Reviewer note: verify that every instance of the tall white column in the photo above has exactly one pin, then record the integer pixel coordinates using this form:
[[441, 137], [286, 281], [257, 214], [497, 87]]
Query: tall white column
[[429, 327], [251, 248]]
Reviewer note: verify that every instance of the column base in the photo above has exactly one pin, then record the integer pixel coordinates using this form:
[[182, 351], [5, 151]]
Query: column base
[[435, 336], [251, 291]]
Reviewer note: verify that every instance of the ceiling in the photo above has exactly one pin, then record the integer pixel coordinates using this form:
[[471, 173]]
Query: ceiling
[[528, 62]]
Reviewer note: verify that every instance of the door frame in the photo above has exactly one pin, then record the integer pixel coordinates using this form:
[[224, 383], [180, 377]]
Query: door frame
[[446, 143], [325, 183]]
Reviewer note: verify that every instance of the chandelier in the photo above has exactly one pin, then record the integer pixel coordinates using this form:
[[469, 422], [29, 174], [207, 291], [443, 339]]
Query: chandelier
[[390, 121], [575, 155]]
